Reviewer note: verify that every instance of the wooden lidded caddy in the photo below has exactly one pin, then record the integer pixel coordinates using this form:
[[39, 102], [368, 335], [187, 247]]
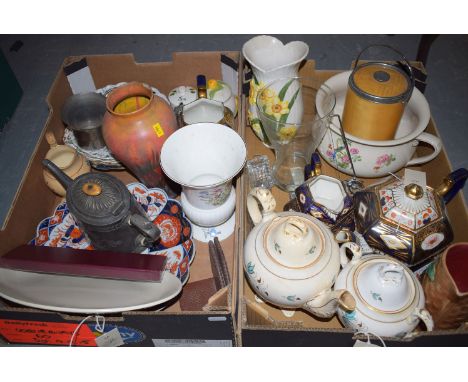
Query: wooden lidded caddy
[[262, 324], [376, 98]]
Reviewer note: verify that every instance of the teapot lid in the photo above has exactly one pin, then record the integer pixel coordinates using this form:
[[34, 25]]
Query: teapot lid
[[408, 206], [384, 285], [295, 246], [98, 199]]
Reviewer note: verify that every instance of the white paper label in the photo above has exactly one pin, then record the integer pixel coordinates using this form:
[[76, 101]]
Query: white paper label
[[363, 344], [81, 81], [110, 339], [214, 318], [187, 342], [416, 177]]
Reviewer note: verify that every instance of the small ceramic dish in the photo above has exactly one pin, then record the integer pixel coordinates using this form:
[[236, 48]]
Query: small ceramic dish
[[176, 243], [101, 159]]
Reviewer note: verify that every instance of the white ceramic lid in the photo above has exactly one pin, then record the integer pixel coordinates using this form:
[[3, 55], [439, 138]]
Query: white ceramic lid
[[384, 285], [295, 246], [182, 94], [293, 242]]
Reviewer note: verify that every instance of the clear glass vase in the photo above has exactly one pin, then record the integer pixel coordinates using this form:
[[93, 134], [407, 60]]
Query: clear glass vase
[[287, 110]]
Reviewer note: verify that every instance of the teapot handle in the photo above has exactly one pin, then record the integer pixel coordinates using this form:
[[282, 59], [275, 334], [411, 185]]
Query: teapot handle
[[354, 248], [426, 317], [260, 197], [433, 141], [453, 183], [150, 231], [50, 138]]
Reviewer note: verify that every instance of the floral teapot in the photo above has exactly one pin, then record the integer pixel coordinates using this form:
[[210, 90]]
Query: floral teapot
[[292, 259]]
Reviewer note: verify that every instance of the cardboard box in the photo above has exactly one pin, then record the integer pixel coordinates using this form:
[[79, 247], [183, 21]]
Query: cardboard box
[[262, 324], [212, 325]]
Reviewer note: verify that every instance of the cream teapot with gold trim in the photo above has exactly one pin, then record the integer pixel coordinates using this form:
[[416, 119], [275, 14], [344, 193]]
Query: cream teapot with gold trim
[[292, 259]]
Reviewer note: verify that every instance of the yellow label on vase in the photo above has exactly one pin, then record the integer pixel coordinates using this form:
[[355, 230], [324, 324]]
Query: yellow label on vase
[[158, 130]]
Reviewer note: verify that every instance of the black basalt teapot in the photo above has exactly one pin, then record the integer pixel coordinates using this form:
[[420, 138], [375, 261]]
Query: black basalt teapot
[[106, 211]]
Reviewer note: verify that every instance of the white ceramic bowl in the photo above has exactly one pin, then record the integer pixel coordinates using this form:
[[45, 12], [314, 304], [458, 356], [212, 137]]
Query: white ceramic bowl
[[374, 159]]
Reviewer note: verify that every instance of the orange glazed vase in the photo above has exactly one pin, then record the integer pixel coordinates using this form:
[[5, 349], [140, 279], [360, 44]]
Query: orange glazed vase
[[135, 126]]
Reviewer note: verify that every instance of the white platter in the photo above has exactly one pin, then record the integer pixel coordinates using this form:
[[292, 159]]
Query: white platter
[[84, 294]]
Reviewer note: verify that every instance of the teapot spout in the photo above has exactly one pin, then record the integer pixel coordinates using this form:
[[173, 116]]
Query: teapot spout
[[326, 303], [63, 178]]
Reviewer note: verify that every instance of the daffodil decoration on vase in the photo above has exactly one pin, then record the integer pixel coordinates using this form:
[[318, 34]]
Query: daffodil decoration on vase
[[269, 60]]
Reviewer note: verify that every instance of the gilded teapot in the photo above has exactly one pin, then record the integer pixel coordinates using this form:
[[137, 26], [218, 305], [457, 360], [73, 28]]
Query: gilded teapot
[[407, 221], [292, 259]]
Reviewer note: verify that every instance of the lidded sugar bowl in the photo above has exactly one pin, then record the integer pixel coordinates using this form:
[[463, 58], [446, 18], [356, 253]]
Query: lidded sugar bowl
[[407, 221], [389, 299], [292, 259]]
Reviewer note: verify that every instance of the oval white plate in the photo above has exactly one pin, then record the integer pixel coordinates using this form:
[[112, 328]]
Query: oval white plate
[[84, 294]]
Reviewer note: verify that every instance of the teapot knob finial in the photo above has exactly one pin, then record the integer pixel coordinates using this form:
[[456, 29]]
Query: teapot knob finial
[[295, 228], [414, 191], [391, 274]]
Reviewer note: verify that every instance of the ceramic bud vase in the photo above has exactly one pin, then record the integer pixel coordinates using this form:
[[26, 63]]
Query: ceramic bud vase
[[135, 126], [270, 60]]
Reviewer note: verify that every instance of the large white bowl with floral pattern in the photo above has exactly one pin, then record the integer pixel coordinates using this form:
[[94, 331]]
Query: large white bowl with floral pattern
[[373, 159]]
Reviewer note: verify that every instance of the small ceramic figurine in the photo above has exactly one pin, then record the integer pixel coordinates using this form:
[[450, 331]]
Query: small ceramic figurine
[[407, 222], [389, 298], [291, 259]]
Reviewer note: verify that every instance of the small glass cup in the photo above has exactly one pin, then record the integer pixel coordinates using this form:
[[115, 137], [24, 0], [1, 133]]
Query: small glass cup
[[286, 108], [259, 171]]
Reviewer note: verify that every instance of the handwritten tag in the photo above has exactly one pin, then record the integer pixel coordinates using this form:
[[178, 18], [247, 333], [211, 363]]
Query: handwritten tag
[[110, 339], [415, 177], [46, 333]]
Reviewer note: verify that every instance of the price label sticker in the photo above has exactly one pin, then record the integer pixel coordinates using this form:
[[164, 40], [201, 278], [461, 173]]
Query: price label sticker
[[158, 130], [415, 177], [110, 339]]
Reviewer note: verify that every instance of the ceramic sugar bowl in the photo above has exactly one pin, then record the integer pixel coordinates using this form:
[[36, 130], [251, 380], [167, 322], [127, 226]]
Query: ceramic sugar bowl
[[389, 298], [292, 259]]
